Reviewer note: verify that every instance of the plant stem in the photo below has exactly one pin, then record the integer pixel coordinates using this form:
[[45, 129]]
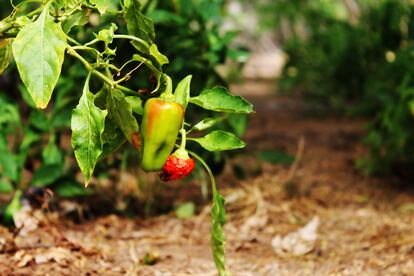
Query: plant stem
[[183, 138], [207, 168], [130, 37], [98, 74]]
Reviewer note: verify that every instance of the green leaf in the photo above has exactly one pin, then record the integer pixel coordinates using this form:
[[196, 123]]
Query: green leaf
[[160, 58], [218, 219], [12, 207], [8, 164], [47, 174], [6, 186], [78, 18], [105, 5], [136, 104], [26, 96], [121, 112], [51, 154], [61, 117], [219, 140], [39, 120], [182, 91], [71, 189], [112, 138], [87, 125], [185, 210], [219, 99], [39, 50], [137, 23], [206, 123], [5, 53], [238, 123], [9, 113], [411, 106], [29, 138], [276, 157], [107, 35], [159, 16]]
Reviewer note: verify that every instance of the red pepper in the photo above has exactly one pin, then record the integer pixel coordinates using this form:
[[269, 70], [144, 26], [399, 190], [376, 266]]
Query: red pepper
[[178, 165]]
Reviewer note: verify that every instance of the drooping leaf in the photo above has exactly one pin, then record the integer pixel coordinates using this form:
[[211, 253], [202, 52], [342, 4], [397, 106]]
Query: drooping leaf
[[137, 23], [160, 58], [39, 50], [5, 53], [219, 99], [182, 91], [121, 112], [219, 140], [87, 125], [218, 219]]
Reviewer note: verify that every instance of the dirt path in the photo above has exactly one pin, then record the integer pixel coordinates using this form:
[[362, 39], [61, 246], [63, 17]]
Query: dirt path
[[366, 224]]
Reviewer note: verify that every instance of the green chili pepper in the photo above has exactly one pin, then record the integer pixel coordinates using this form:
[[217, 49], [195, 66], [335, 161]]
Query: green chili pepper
[[161, 122]]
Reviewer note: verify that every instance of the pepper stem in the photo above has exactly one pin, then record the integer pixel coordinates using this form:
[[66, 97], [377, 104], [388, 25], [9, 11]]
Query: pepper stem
[[167, 95], [181, 152]]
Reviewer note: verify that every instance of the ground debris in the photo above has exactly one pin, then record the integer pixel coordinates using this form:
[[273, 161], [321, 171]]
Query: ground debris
[[299, 242], [369, 235]]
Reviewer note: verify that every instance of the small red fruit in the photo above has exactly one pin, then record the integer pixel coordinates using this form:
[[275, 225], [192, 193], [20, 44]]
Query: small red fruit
[[178, 165]]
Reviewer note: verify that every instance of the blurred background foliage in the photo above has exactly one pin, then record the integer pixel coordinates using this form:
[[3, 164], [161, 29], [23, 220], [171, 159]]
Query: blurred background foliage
[[355, 57]]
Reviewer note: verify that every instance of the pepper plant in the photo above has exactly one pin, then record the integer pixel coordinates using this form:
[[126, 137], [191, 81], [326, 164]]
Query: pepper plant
[[111, 111]]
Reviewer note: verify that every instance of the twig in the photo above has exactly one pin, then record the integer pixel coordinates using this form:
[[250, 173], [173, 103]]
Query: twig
[[298, 158]]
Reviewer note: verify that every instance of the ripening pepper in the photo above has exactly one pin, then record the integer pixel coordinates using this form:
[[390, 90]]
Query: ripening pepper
[[178, 165], [161, 122]]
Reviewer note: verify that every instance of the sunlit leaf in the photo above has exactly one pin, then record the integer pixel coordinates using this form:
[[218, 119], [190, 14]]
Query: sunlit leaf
[[39, 52], [219, 140], [219, 99]]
